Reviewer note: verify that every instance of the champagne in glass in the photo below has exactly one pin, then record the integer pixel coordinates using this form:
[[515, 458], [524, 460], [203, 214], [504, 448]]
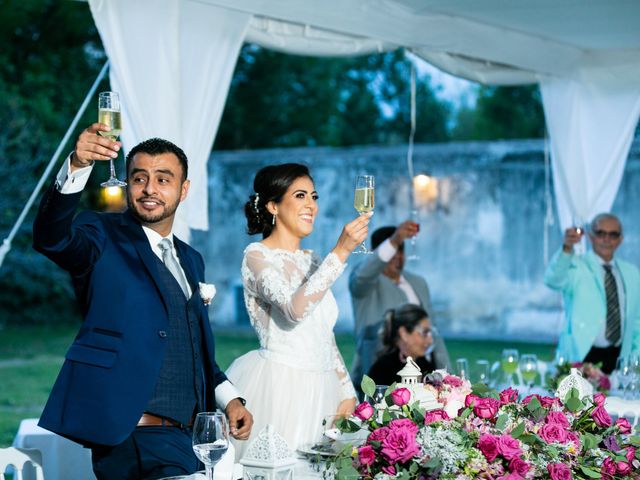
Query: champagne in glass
[[413, 248], [529, 369], [109, 114], [579, 223], [210, 439], [509, 361], [364, 201]]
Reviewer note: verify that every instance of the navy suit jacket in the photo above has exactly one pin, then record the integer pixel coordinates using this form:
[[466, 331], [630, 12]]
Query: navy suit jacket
[[111, 368]]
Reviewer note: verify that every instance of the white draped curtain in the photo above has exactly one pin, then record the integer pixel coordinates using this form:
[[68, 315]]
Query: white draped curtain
[[591, 120], [172, 62]]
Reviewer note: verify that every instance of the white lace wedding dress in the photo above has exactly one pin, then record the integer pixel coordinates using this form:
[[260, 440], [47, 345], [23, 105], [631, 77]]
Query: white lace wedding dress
[[297, 377]]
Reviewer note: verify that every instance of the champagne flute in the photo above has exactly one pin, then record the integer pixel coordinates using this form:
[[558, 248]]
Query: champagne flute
[[210, 439], [363, 201], [578, 223], [529, 369], [413, 248], [109, 114]]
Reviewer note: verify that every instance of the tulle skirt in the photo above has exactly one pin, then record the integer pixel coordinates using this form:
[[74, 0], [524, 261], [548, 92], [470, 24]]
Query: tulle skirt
[[293, 400]]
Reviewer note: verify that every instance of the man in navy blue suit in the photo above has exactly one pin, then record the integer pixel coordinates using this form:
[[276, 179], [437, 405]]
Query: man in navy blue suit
[[143, 363]]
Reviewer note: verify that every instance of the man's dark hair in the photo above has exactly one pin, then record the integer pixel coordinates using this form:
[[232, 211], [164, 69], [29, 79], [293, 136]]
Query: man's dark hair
[[158, 146], [380, 235]]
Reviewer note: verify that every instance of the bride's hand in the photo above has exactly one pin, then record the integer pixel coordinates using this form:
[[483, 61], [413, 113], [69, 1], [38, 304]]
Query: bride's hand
[[346, 407], [353, 234]]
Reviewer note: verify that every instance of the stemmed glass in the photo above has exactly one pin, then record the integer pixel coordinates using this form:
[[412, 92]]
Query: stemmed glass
[[210, 439], [624, 374], [413, 248], [462, 368], [378, 395], [109, 114], [364, 201], [529, 369], [509, 361], [578, 223], [482, 371]]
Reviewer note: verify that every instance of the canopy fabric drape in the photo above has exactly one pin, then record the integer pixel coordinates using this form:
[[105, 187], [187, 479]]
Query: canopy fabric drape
[[172, 62], [591, 120]]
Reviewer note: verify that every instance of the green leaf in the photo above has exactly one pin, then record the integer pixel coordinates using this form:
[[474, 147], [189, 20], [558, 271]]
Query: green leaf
[[589, 472], [433, 464], [528, 438], [480, 389], [518, 431], [502, 422], [634, 440], [347, 473], [573, 404], [533, 405], [368, 386], [465, 413]]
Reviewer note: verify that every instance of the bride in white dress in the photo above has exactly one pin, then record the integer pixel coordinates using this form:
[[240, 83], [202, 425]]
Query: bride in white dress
[[297, 377]]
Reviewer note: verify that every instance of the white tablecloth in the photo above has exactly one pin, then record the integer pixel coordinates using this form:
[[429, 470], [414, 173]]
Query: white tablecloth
[[62, 459]]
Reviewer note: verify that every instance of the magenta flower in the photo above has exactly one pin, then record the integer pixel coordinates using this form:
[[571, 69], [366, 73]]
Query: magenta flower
[[453, 381], [435, 416], [389, 470], [486, 407], [623, 468], [553, 433], [508, 395], [608, 468], [599, 399], [366, 455], [379, 434], [509, 447], [364, 411], [519, 466], [557, 417], [623, 425], [559, 471], [601, 417], [471, 399], [400, 445], [488, 445], [401, 396], [631, 453]]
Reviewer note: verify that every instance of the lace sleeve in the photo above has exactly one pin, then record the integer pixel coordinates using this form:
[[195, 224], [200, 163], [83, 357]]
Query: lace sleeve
[[282, 284], [346, 386]]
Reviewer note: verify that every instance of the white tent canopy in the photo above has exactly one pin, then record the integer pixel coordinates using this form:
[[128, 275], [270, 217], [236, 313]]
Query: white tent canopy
[[172, 61]]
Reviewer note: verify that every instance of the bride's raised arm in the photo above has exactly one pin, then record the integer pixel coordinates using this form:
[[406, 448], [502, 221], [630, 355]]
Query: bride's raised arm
[[272, 280]]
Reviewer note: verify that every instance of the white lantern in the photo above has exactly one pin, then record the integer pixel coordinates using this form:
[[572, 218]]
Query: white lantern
[[411, 379], [268, 457], [410, 373], [577, 381]]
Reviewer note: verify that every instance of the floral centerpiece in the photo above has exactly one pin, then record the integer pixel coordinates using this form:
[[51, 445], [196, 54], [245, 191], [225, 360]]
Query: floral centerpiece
[[493, 436], [592, 373]]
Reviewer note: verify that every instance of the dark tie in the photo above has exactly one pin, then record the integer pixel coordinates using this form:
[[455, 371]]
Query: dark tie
[[172, 265], [612, 332]]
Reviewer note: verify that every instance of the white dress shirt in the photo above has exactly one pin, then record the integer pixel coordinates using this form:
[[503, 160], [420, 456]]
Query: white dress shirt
[[68, 182]]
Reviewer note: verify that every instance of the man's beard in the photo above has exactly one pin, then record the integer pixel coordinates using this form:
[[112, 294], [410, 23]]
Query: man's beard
[[149, 218]]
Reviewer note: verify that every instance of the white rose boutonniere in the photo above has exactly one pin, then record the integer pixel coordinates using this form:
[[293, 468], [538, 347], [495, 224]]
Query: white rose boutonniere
[[207, 292]]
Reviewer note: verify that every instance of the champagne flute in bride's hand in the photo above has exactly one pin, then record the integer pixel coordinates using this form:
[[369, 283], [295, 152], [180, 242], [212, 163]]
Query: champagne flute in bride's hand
[[109, 114], [210, 439], [364, 201]]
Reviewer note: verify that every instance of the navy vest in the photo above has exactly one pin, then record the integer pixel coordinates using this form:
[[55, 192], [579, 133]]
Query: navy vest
[[179, 391]]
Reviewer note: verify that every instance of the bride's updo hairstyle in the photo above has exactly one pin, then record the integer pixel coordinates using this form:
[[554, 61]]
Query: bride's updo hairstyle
[[270, 185], [408, 316]]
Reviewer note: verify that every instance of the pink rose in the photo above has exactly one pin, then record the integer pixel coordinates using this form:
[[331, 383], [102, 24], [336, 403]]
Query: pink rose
[[471, 399], [486, 407], [559, 471], [510, 476], [401, 396], [488, 445], [453, 381], [403, 424], [557, 417], [389, 470], [631, 453], [519, 466], [379, 434], [601, 417], [509, 447], [548, 402], [435, 416], [508, 395], [604, 383], [608, 468], [364, 411], [624, 425], [528, 398], [574, 438], [366, 455], [599, 399], [623, 468], [399, 446], [553, 433]]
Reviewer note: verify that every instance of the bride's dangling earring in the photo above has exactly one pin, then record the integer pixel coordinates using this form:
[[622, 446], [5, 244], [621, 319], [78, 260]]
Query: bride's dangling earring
[[273, 219]]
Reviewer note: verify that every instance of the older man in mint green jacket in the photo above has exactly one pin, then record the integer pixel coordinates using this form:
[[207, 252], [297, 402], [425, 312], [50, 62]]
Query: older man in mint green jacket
[[601, 296]]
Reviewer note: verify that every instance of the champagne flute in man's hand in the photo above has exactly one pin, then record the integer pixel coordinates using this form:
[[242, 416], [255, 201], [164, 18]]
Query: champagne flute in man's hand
[[364, 200], [109, 114], [413, 248]]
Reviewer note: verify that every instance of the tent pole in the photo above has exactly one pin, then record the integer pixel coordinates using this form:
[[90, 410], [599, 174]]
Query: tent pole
[[6, 244]]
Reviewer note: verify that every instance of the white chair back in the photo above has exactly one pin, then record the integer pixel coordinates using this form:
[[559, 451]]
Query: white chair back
[[18, 458], [629, 409]]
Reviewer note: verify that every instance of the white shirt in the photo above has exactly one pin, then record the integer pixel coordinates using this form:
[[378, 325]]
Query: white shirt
[[68, 182], [385, 252], [601, 340]]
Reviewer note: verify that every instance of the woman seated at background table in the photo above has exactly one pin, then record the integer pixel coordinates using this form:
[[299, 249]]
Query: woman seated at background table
[[406, 333]]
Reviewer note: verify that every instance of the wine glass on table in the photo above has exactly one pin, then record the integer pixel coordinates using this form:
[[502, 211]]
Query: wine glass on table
[[462, 368], [210, 439], [109, 114], [482, 371], [529, 369], [509, 362], [364, 201], [413, 248]]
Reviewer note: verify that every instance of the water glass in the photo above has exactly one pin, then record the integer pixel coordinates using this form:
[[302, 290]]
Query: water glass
[[210, 439], [462, 368], [378, 395], [482, 371], [624, 374]]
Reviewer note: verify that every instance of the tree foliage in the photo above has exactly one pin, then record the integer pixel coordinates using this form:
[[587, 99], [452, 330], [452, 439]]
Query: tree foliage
[[279, 100]]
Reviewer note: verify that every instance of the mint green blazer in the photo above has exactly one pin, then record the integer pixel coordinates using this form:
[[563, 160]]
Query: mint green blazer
[[581, 281]]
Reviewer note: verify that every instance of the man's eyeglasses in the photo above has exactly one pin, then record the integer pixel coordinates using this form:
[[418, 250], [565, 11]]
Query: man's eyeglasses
[[614, 235]]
